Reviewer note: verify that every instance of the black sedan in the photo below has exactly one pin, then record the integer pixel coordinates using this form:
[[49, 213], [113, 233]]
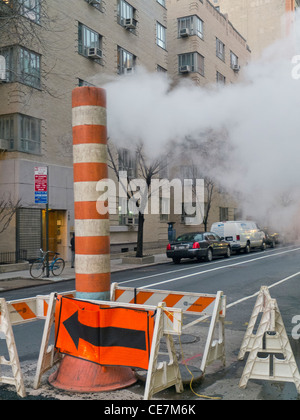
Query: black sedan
[[198, 245]]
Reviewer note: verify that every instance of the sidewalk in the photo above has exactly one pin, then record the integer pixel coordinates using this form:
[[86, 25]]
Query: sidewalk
[[21, 279]]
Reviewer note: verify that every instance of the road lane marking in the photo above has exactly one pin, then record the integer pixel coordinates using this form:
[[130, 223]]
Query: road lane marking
[[209, 270], [256, 294], [206, 271]]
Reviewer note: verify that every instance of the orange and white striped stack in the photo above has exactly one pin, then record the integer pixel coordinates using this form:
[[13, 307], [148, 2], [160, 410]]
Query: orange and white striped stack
[[92, 241]]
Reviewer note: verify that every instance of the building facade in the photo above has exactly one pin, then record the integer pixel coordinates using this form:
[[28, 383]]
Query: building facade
[[49, 47], [260, 22], [204, 44]]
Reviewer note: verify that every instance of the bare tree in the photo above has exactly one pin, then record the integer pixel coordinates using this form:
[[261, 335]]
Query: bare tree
[[8, 208], [146, 169], [27, 25]]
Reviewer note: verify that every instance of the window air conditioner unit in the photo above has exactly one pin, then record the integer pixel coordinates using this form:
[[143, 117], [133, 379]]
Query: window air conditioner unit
[[3, 144], [184, 69], [131, 221], [95, 53], [236, 67], [184, 32], [130, 23], [128, 70]]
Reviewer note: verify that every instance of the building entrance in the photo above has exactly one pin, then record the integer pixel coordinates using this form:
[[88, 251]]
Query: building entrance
[[57, 232]]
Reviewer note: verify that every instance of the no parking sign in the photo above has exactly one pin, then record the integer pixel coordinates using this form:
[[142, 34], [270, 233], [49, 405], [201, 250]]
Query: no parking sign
[[41, 184]]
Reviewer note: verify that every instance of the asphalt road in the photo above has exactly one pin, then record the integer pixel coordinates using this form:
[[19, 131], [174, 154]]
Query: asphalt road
[[239, 277]]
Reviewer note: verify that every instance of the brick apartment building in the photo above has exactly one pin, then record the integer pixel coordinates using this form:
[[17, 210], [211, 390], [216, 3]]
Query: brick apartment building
[[261, 22], [52, 46]]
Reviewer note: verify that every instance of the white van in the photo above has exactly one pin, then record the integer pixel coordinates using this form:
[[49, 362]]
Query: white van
[[242, 235]]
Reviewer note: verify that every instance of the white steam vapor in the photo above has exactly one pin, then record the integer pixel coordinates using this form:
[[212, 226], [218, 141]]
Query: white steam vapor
[[260, 116]]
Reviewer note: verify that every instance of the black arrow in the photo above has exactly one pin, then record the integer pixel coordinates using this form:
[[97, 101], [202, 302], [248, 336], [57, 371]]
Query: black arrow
[[106, 336]]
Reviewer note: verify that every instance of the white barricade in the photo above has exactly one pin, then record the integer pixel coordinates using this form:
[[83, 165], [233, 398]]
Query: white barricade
[[169, 307], [6, 330], [18, 312], [270, 354]]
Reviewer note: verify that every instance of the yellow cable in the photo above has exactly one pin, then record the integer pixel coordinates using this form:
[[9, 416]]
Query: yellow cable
[[184, 362]]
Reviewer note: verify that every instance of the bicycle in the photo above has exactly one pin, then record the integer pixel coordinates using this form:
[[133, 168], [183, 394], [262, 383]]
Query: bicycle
[[56, 266]]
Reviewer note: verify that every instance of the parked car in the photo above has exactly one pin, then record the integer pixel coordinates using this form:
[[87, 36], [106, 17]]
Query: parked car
[[198, 245], [271, 238], [242, 235]]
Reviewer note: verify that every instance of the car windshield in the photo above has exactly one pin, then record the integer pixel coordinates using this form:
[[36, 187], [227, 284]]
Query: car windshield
[[190, 237]]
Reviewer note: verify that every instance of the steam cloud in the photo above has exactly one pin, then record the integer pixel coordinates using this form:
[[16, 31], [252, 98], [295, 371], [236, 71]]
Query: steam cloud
[[260, 116]]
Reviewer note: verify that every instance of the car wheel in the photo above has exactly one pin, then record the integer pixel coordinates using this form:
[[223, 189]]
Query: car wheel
[[247, 248], [263, 246], [209, 255], [228, 252], [176, 260]]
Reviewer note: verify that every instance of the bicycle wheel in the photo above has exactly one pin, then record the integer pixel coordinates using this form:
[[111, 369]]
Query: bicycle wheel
[[57, 266], [37, 268]]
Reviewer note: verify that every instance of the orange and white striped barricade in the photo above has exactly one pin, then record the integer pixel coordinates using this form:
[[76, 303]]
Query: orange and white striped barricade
[[13, 362], [159, 377], [30, 309], [200, 305]]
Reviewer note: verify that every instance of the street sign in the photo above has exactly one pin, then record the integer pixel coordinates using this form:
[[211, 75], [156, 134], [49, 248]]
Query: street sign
[[41, 184]]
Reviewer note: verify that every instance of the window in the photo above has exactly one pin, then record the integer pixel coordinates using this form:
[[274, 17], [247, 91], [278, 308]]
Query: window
[[97, 4], [195, 61], [127, 162], [126, 61], [220, 49], [82, 82], [22, 132], [7, 130], [29, 134], [87, 38], [161, 35], [125, 11], [31, 9], [22, 66], [160, 69], [193, 24], [223, 214], [220, 78], [164, 208], [234, 60], [29, 65]]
